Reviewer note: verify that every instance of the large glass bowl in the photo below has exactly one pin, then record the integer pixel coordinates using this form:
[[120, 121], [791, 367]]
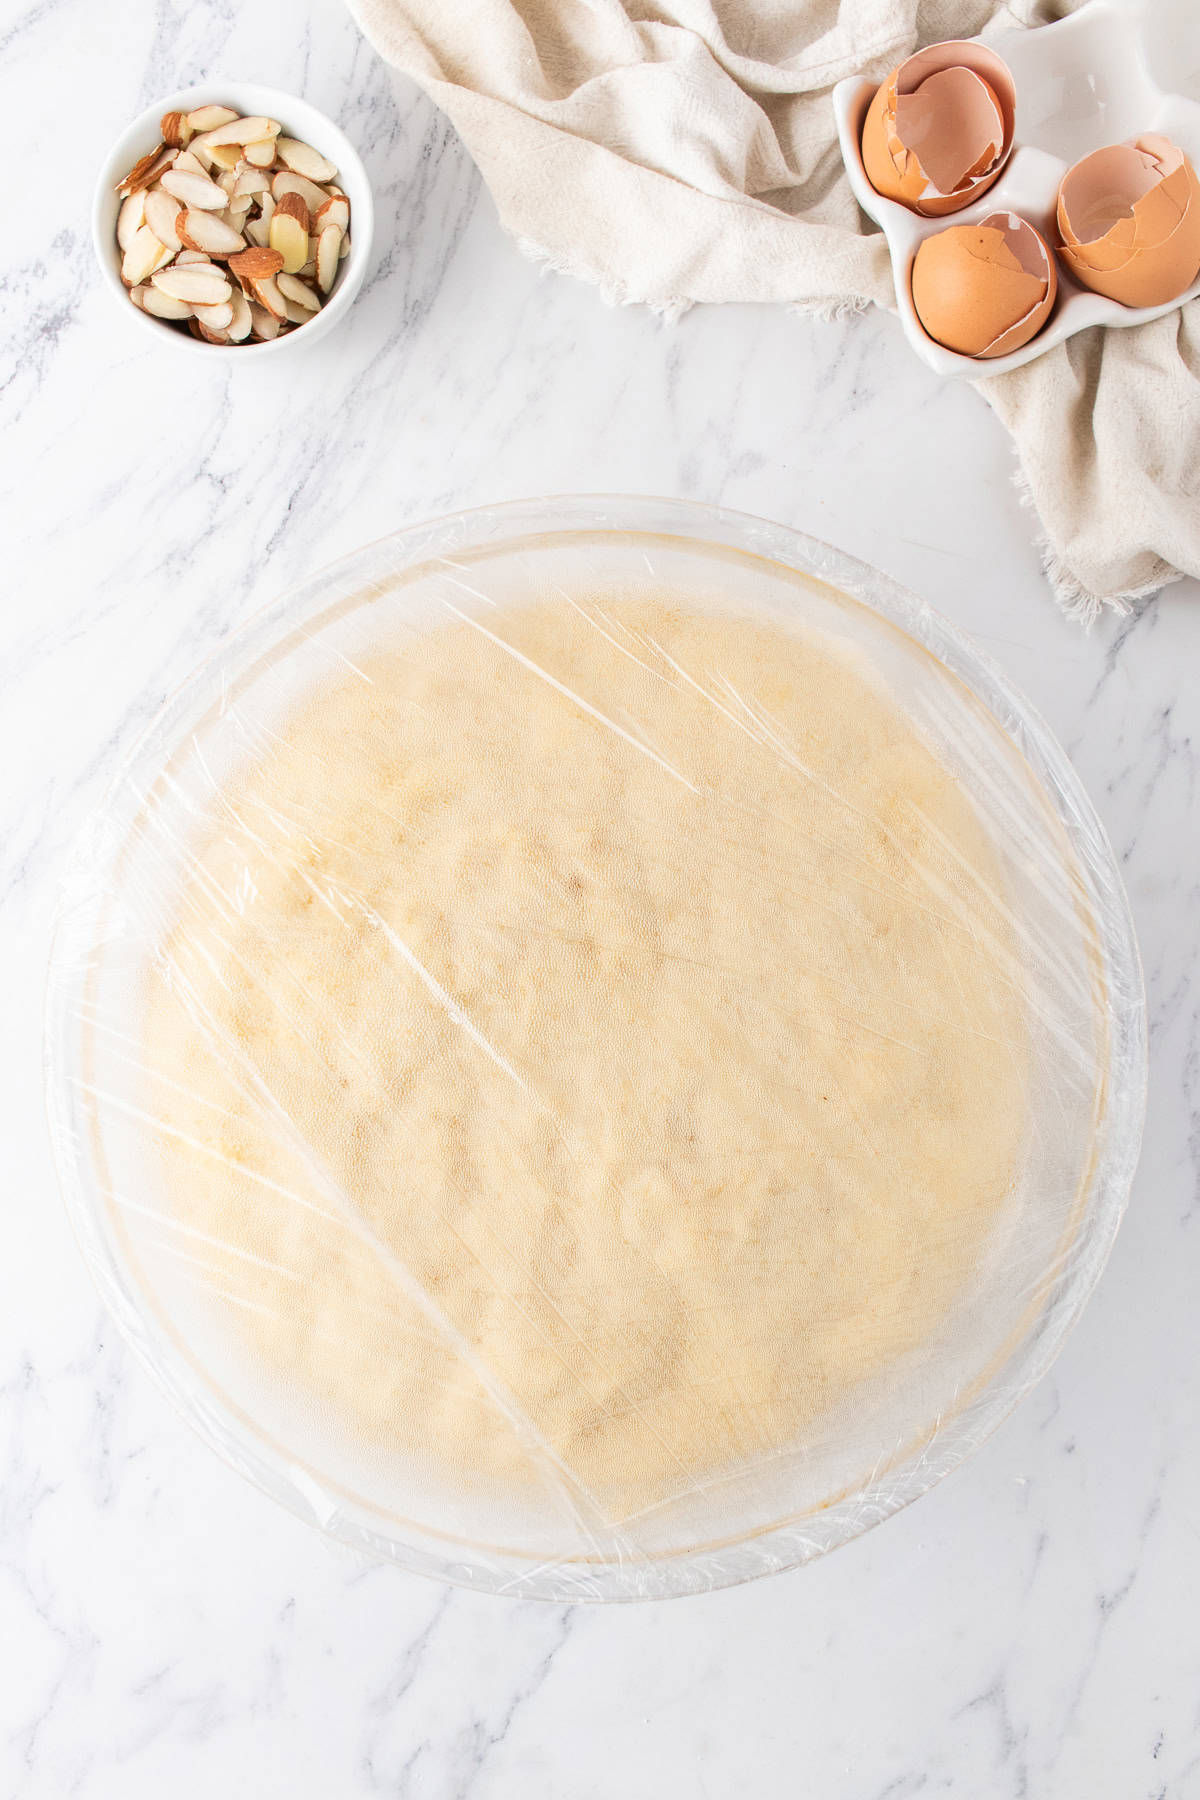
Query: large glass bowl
[[1060, 875]]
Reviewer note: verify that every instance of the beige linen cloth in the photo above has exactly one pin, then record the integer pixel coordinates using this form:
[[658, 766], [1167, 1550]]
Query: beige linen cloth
[[685, 151]]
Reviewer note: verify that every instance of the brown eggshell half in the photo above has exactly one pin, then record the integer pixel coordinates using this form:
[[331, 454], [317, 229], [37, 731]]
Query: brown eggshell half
[[985, 289], [930, 137], [1096, 200], [1129, 222]]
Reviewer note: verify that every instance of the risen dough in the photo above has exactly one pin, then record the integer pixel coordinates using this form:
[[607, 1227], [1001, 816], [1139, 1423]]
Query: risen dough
[[588, 1047]]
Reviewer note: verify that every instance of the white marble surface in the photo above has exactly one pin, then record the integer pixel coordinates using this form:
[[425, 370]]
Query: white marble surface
[[1026, 1630]]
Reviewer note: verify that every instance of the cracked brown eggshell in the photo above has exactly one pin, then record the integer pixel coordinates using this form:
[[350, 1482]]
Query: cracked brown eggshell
[[984, 289], [940, 128], [1129, 221]]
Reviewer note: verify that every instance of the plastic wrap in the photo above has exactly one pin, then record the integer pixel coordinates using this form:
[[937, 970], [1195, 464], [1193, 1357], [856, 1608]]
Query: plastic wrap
[[596, 1049]]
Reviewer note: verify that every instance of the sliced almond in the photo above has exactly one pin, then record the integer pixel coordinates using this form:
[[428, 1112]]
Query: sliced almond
[[344, 252], [226, 181], [336, 211], [138, 294], [176, 129], [202, 154], [291, 240], [207, 118], [148, 169], [131, 217], [262, 154], [256, 231], [289, 234], [266, 207], [263, 324], [309, 271], [210, 337], [293, 206], [204, 231], [162, 306], [251, 182], [226, 156], [195, 190], [187, 164], [304, 160], [198, 284], [255, 264], [286, 181], [187, 257], [267, 294], [328, 252], [292, 288], [144, 255], [240, 131], [216, 318], [240, 322], [162, 210]]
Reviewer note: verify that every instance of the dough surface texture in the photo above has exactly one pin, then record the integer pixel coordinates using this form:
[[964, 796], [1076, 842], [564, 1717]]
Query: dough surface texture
[[588, 1047]]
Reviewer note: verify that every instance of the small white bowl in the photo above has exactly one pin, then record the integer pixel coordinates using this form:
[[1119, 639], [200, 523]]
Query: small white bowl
[[298, 119]]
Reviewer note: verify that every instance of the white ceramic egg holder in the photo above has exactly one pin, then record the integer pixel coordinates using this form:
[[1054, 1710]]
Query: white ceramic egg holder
[[1086, 81]]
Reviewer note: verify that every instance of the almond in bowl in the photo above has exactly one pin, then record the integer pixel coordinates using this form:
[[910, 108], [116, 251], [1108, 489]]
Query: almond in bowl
[[225, 224], [224, 206]]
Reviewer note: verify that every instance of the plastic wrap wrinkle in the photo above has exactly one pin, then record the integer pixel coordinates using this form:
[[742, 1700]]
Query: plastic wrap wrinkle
[[587, 1058]]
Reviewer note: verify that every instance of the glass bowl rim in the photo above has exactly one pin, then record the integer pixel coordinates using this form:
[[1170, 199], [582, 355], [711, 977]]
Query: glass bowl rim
[[788, 1543]]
